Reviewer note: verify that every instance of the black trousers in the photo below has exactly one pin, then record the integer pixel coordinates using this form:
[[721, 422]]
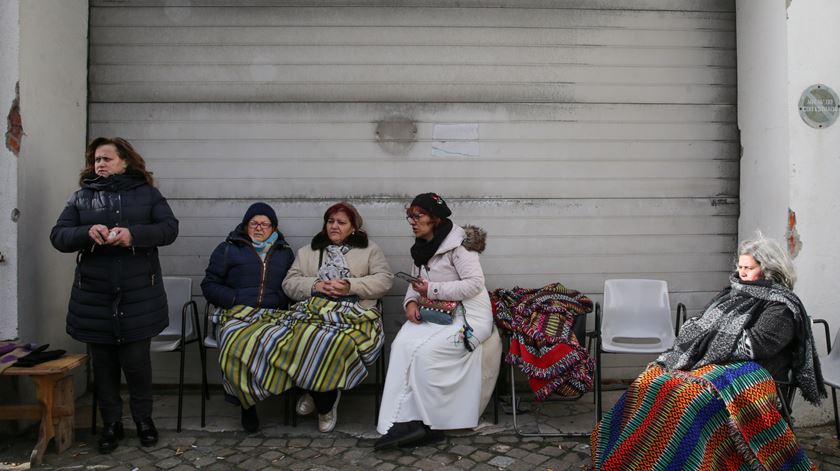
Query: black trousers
[[132, 359], [323, 400]]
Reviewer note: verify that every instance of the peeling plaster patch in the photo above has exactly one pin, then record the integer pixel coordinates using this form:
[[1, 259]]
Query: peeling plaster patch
[[14, 125], [792, 235]]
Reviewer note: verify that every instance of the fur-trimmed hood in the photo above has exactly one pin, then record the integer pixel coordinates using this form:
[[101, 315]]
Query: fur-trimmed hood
[[475, 238]]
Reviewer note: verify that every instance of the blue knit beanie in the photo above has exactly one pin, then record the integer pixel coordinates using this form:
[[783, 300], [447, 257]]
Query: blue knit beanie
[[260, 209]]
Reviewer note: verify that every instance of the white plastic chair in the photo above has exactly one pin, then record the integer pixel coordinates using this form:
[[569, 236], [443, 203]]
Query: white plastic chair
[[830, 366], [183, 329], [636, 318]]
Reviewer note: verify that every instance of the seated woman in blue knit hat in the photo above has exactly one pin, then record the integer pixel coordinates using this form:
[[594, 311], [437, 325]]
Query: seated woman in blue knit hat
[[248, 269], [709, 402]]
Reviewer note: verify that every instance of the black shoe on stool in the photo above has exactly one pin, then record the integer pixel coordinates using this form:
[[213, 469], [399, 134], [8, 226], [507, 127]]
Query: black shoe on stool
[[112, 433], [250, 421], [401, 434], [146, 432]]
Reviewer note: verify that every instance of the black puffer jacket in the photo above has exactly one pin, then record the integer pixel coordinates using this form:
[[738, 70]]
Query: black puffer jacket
[[237, 275], [117, 293]]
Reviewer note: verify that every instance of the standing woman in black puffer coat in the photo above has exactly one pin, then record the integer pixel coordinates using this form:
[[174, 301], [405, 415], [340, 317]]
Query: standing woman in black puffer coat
[[115, 223]]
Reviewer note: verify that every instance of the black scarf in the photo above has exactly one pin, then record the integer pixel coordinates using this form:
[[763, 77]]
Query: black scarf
[[423, 249], [120, 182]]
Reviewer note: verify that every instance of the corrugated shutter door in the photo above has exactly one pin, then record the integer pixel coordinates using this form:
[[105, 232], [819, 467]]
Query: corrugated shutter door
[[592, 139]]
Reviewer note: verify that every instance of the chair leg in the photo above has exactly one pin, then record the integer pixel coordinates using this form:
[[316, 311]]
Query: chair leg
[[181, 386], [836, 417], [205, 393], [598, 402]]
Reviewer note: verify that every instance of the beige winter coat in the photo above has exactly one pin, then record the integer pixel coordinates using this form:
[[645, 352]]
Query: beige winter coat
[[370, 275]]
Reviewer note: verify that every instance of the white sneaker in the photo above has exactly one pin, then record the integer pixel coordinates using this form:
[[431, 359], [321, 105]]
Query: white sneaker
[[326, 422], [305, 405]]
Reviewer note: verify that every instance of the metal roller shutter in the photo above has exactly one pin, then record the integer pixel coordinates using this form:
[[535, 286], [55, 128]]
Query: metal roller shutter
[[592, 139]]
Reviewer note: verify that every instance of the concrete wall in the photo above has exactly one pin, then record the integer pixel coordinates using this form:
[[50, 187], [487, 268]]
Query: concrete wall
[[815, 160], [786, 165], [53, 89], [9, 74]]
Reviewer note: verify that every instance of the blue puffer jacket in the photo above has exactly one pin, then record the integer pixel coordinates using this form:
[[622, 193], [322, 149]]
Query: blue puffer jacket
[[236, 274], [117, 295]]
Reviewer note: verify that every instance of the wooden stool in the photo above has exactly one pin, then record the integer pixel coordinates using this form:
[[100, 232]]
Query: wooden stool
[[56, 403]]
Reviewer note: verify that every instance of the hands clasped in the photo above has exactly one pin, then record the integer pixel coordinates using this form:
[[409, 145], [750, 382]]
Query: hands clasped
[[333, 288], [117, 236]]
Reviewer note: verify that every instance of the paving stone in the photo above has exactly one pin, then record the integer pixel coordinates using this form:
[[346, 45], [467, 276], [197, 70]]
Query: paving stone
[[306, 453], [464, 463], [219, 467], [204, 461], [322, 443], [534, 458], [501, 461], [205, 441], [270, 455], [481, 456], [252, 464], [225, 452], [182, 442], [484, 439], [406, 460], [299, 442], [517, 453], [499, 448], [462, 450], [424, 451], [237, 458], [227, 441], [552, 451], [530, 446], [275, 443], [168, 463], [183, 467], [251, 441], [484, 467], [385, 467], [508, 439]]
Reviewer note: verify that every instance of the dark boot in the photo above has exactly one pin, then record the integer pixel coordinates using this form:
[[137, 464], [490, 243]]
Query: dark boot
[[110, 439], [250, 421], [146, 432], [401, 434], [432, 437]]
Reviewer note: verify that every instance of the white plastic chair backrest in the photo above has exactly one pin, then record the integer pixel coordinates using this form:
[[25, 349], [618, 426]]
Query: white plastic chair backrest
[[178, 292], [830, 364], [639, 310]]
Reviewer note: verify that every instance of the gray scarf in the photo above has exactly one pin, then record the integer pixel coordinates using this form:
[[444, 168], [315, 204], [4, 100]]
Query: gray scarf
[[335, 266], [713, 337]]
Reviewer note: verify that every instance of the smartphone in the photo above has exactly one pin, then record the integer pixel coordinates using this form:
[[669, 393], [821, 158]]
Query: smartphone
[[405, 276]]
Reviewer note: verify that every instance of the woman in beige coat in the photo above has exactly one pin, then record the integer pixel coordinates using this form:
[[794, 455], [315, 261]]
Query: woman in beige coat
[[340, 276]]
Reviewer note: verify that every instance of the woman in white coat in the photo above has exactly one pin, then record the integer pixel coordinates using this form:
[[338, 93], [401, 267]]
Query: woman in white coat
[[434, 379]]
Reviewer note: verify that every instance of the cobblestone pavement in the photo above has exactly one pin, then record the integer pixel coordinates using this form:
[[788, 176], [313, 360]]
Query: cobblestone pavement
[[221, 445], [236, 450]]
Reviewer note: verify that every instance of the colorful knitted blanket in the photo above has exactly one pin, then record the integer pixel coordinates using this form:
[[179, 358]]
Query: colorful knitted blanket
[[542, 343], [714, 417]]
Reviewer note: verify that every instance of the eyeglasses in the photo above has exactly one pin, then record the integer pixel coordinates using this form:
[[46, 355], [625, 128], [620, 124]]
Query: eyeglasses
[[413, 217], [259, 225]]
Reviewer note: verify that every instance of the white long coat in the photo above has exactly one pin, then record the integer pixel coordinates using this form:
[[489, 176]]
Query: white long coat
[[431, 376]]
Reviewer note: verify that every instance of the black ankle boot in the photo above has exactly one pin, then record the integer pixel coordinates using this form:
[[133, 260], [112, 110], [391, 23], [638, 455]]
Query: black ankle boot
[[401, 434], [250, 421], [146, 432], [112, 433]]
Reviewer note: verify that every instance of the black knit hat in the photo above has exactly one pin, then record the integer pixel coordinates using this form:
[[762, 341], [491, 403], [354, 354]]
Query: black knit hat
[[433, 204], [260, 209]]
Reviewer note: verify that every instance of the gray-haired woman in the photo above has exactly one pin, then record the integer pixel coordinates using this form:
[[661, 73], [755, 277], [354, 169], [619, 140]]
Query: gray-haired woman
[[717, 380]]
